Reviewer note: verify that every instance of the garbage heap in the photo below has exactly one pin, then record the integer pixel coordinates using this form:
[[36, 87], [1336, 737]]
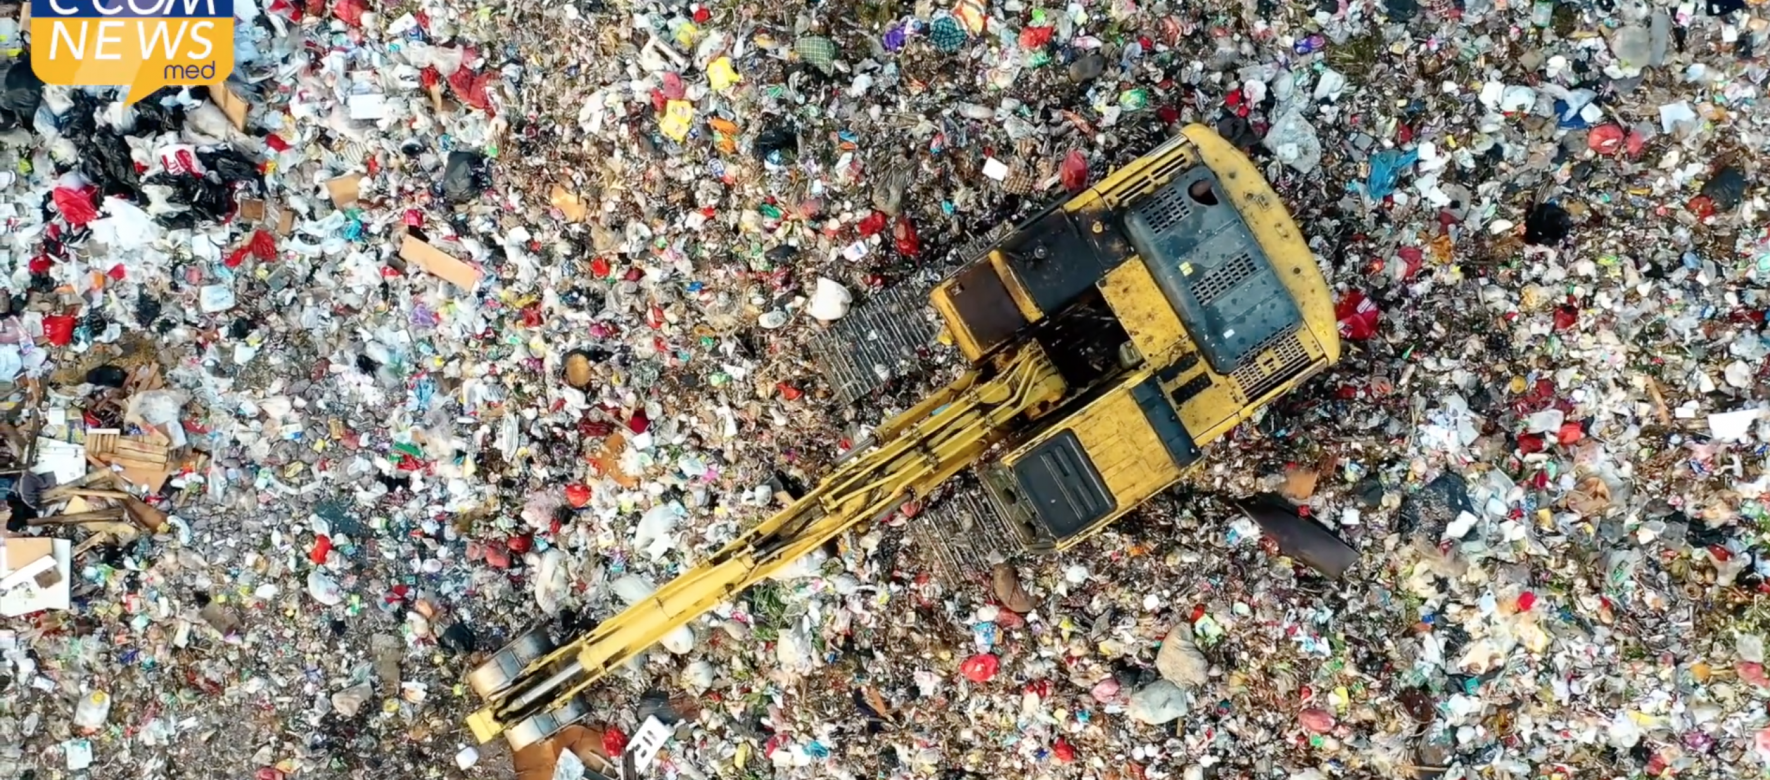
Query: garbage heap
[[435, 321]]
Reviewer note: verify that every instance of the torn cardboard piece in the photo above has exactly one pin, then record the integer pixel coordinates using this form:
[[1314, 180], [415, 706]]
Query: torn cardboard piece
[[438, 263], [345, 189], [230, 104]]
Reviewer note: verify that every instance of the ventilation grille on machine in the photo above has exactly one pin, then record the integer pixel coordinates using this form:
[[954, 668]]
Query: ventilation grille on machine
[[1165, 209], [1222, 279], [1150, 181], [1278, 360]]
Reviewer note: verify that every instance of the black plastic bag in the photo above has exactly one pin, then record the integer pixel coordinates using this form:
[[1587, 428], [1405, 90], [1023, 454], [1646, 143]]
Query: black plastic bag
[[205, 198], [781, 138], [153, 117], [1547, 225], [104, 155], [1726, 188], [231, 165], [20, 93], [464, 177]]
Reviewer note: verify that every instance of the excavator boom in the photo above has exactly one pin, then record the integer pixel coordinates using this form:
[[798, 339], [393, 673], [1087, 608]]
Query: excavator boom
[[531, 693]]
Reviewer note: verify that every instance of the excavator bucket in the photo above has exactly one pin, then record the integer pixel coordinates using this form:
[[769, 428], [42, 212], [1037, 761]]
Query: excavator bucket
[[880, 340]]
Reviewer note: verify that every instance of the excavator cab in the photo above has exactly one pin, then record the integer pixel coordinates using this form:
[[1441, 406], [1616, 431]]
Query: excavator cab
[[1175, 297]]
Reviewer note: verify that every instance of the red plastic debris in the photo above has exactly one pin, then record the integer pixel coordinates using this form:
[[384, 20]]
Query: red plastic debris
[[521, 543], [1566, 317], [872, 224], [471, 87], [261, 245], [350, 11], [1035, 37], [76, 204], [270, 773], [601, 268], [577, 495], [1074, 171], [1613, 139], [1413, 259], [789, 392], [774, 743], [1531, 442], [614, 741], [1063, 751], [1526, 600], [497, 555], [701, 14], [41, 264], [638, 422], [276, 142], [1570, 433], [980, 668], [1358, 316], [1752, 673], [117, 272], [59, 329], [322, 547], [1702, 206], [904, 235]]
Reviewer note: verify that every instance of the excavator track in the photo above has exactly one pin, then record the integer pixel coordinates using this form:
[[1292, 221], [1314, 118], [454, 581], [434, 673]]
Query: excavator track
[[964, 534], [881, 340], [912, 455]]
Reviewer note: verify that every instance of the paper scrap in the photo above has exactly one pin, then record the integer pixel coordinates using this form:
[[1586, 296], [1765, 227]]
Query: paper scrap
[[439, 263], [345, 189], [1733, 426], [368, 106], [995, 169]]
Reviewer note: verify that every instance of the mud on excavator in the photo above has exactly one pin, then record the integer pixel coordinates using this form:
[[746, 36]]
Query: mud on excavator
[[1111, 339]]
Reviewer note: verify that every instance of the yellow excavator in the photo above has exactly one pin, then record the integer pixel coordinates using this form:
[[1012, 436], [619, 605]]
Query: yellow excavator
[[1110, 338]]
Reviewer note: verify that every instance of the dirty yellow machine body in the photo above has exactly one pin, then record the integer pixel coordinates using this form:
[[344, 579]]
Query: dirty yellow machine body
[[1111, 338]]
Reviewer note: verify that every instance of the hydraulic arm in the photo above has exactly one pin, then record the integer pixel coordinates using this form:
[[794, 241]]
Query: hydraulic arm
[[532, 689]]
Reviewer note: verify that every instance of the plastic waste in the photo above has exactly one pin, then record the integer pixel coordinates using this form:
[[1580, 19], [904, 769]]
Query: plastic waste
[[91, 712], [464, 176], [1157, 703], [20, 93], [1180, 661], [830, 301], [1292, 140]]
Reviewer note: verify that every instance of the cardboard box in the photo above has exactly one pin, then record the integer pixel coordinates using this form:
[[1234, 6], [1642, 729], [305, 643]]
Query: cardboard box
[[438, 263], [345, 189], [36, 572]]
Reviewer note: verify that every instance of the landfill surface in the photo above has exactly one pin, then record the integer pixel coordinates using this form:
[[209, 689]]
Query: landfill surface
[[436, 321]]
